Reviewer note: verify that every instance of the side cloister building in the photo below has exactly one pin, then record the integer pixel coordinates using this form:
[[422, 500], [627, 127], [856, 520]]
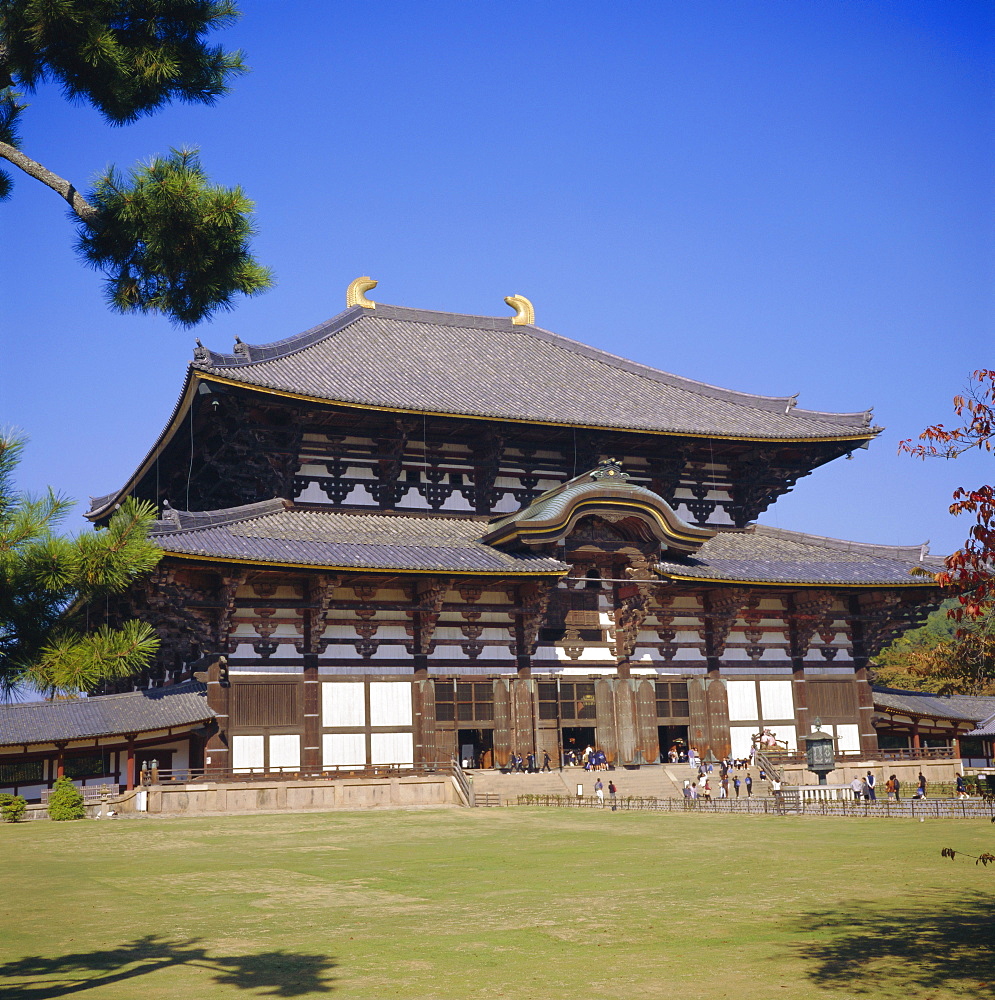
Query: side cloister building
[[404, 535]]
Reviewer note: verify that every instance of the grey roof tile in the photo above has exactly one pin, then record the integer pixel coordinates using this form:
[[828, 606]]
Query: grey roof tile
[[945, 706], [104, 715], [774, 555], [411, 359], [271, 533]]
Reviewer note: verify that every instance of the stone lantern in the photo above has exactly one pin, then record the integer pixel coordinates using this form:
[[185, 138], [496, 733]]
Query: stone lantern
[[820, 752]]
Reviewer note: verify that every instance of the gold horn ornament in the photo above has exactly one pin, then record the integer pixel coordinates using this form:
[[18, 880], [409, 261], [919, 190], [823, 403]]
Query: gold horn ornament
[[355, 294], [525, 314]]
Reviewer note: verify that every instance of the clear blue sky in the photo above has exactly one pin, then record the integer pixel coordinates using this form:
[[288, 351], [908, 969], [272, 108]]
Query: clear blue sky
[[776, 197]]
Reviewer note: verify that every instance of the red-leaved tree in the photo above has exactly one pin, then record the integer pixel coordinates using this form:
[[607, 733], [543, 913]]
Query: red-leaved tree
[[969, 572]]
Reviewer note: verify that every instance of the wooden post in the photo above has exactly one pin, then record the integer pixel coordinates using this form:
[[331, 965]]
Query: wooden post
[[129, 767]]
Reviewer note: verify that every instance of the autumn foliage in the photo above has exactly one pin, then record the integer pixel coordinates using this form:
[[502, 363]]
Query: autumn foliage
[[965, 662]]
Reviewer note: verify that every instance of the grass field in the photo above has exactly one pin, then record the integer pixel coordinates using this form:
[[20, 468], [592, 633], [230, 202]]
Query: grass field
[[511, 903]]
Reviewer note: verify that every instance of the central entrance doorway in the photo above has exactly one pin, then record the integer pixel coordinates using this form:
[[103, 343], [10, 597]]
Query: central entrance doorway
[[576, 739], [476, 747]]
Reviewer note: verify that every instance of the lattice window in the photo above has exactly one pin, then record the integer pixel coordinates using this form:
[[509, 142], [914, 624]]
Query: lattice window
[[577, 701], [672, 700]]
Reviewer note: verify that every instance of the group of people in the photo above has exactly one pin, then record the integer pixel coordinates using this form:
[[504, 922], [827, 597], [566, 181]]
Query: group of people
[[588, 758], [866, 787], [599, 792], [529, 764]]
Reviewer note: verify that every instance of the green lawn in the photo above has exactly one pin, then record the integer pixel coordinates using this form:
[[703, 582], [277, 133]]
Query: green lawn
[[513, 903]]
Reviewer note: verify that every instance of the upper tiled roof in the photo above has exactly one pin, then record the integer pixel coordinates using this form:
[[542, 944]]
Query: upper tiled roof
[[773, 555], [985, 728], [273, 532], [105, 715], [412, 359], [944, 706]]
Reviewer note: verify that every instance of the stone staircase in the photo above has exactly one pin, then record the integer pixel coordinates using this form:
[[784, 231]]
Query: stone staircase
[[662, 781]]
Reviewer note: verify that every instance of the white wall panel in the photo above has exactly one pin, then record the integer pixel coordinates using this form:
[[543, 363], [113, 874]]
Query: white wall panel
[[285, 751], [740, 737], [847, 738], [786, 734], [246, 752], [777, 700], [343, 750], [742, 704], [390, 703], [392, 748], [342, 705]]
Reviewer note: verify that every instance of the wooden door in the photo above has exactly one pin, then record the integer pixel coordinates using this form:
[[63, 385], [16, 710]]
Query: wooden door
[[625, 720], [647, 732], [607, 732], [502, 722], [423, 701], [717, 702]]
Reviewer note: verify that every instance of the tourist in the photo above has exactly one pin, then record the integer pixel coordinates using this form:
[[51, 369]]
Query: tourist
[[724, 788], [706, 791], [694, 790], [921, 793], [545, 762], [532, 764], [749, 786], [896, 785], [763, 774], [599, 791], [858, 787], [612, 791], [961, 787], [865, 791], [871, 781], [735, 785], [687, 789]]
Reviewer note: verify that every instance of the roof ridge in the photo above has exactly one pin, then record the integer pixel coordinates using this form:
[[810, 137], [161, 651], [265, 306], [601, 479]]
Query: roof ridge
[[910, 551], [195, 520], [91, 699], [249, 354]]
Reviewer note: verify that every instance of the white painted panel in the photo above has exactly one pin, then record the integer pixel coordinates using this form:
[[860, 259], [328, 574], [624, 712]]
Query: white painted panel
[[342, 705], [246, 752], [742, 704], [285, 751], [740, 740], [776, 699], [392, 748], [847, 738], [786, 734], [390, 703], [343, 750]]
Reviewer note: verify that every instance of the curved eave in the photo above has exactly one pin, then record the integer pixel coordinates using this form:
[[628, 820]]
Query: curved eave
[[866, 435], [392, 570], [195, 378], [539, 532]]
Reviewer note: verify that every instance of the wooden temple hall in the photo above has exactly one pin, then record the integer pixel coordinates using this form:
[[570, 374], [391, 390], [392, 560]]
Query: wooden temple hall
[[403, 536]]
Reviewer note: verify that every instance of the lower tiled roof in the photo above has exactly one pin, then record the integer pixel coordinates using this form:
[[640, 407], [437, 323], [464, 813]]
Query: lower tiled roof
[[273, 533], [773, 555], [967, 707], [104, 715]]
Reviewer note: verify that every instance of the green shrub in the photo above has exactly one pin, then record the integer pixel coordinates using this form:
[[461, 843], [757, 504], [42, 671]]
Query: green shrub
[[12, 807], [66, 801]]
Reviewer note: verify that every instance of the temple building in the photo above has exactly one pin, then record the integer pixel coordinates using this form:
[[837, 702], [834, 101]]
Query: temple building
[[403, 536]]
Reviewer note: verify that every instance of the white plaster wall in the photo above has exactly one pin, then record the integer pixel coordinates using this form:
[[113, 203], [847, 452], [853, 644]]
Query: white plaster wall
[[742, 703], [246, 752], [847, 738], [285, 751], [392, 748], [740, 739], [343, 750], [787, 734], [390, 703], [777, 700], [342, 705]]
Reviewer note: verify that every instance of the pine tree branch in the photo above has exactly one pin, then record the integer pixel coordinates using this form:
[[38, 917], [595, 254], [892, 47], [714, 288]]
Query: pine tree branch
[[6, 79], [60, 185]]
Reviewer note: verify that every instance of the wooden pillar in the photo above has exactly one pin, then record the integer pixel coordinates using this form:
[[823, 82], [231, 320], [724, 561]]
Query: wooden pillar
[[865, 697], [916, 744], [60, 760], [311, 721], [129, 764], [217, 755]]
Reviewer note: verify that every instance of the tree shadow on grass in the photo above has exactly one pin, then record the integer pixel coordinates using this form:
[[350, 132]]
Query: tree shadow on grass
[[271, 973], [904, 950]]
